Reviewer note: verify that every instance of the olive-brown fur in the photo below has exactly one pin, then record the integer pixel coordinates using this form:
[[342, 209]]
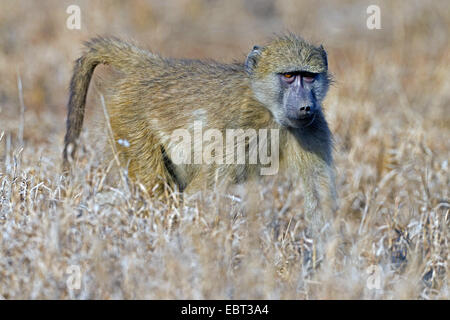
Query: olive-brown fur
[[155, 96]]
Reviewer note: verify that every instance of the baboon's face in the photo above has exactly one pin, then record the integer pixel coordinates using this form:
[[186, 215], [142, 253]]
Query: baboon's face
[[289, 76], [298, 101]]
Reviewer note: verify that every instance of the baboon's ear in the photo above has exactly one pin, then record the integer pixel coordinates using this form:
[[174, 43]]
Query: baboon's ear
[[324, 55], [252, 59]]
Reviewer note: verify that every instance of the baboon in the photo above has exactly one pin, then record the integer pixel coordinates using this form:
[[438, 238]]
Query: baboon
[[279, 86]]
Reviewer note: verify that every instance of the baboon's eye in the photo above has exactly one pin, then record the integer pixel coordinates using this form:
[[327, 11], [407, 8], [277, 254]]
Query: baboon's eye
[[288, 77], [308, 76]]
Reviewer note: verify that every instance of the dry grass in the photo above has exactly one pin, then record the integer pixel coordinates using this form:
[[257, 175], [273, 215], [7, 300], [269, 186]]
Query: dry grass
[[389, 111]]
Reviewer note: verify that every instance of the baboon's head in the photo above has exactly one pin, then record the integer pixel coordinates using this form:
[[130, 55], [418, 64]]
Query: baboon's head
[[290, 77]]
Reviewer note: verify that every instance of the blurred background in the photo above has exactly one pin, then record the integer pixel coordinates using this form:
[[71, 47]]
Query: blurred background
[[404, 55], [388, 109]]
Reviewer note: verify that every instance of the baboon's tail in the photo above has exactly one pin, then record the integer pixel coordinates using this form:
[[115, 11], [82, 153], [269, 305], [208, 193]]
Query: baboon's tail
[[110, 51]]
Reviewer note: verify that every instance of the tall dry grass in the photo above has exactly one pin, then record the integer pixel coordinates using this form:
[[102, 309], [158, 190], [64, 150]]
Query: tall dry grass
[[388, 109]]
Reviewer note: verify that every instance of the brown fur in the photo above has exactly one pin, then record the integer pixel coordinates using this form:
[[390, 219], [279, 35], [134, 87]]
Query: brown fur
[[156, 96]]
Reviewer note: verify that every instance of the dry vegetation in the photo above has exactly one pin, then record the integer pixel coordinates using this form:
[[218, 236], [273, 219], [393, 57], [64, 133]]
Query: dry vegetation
[[389, 111]]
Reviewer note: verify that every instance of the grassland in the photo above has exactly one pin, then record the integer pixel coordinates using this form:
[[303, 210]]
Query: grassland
[[388, 109]]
